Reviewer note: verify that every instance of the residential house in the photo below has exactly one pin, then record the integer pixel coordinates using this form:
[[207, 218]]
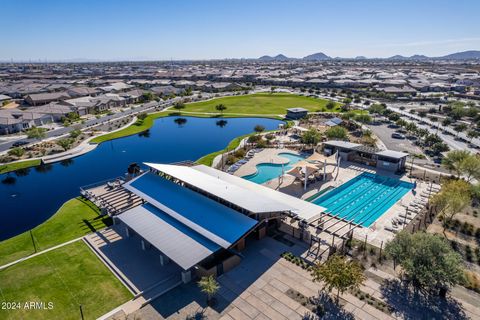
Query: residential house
[[15, 120], [44, 98]]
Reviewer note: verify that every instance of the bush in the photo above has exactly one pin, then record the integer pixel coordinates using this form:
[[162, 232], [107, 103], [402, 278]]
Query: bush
[[16, 152], [240, 153], [253, 139], [142, 116], [262, 144]]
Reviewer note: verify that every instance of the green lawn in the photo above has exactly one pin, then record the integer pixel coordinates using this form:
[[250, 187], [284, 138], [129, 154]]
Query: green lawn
[[137, 127], [261, 103], [4, 168], [67, 277], [74, 219], [208, 159]]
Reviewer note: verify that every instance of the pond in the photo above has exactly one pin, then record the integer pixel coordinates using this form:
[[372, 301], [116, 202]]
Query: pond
[[29, 197]]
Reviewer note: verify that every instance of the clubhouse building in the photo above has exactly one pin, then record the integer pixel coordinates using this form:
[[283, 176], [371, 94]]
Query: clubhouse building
[[201, 218]]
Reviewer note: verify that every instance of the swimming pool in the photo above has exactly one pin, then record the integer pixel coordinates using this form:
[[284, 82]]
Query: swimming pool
[[268, 171], [364, 198]]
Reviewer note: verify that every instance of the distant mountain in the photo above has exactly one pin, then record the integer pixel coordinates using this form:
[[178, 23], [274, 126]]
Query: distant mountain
[[266, 58], [418, 57], [320, 56], [465, 55], [279, 57], [397, 57]]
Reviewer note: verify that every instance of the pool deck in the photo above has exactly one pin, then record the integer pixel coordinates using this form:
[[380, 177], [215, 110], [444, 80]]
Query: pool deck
[[264, 156], [376, 234]]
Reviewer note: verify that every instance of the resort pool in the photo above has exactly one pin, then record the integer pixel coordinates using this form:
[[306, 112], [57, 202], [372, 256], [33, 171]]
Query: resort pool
[[268, 171], [364, 198]]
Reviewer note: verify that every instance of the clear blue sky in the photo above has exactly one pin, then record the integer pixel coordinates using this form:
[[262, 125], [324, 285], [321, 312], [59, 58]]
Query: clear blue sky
[[207, 29]]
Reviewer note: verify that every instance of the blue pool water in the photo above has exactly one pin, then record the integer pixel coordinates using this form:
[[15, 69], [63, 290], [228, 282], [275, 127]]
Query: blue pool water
[[29, 197], [268, 171], [364, 198]]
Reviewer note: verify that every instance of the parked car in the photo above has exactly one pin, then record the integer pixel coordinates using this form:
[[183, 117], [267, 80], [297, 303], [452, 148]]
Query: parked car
[[19, 143], [397, 135]]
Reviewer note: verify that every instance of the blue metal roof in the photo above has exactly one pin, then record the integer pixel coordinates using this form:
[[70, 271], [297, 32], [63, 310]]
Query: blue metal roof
[[218, 219], [184, 246]]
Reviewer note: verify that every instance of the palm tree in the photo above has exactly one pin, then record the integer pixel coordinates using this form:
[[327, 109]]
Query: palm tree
[[209, 286]]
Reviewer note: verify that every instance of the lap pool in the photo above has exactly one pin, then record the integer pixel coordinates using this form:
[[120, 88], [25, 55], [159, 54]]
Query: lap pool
[[268, 171], [364, 198]]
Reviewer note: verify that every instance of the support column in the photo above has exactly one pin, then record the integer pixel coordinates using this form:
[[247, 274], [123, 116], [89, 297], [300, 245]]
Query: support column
[[262, 232], [164, 260], [186, 276], [143, 245], [127, 231], [241, 244]]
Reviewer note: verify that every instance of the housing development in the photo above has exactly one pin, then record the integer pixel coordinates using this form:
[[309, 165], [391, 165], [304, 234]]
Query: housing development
[[269, 187]]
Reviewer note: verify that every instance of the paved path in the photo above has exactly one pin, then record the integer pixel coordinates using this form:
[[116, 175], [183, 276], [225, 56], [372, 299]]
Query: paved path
[[38, 253]]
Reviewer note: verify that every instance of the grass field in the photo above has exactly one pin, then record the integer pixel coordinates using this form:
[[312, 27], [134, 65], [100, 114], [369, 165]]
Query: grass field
[[208, 159], [4, 168], [67, 277], [258, 105], [261, 103], [74, 219]]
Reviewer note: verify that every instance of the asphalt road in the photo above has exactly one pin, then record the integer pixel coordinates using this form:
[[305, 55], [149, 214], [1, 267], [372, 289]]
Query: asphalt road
[[435, 127]]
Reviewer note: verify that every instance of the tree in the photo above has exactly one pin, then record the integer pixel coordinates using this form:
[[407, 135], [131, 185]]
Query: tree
[[427, 260], [439, 147], [339, 273], [363, 118], [142, 116], [460, 128], [36, 133], [221, 107], [454, 196], [65, 143], [452, 161], [259, 128], [179, 105], [393, 116], [470, 167], [17, 152], [337, 132], [209, 286], [330, 105], [411, 127], [74, 134], [148, 96], [376, 109], [472, 134], [311, 137], [446, 122], [401, 123]]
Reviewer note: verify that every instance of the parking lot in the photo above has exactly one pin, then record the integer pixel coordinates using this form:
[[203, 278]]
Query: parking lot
[[384, 133]]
